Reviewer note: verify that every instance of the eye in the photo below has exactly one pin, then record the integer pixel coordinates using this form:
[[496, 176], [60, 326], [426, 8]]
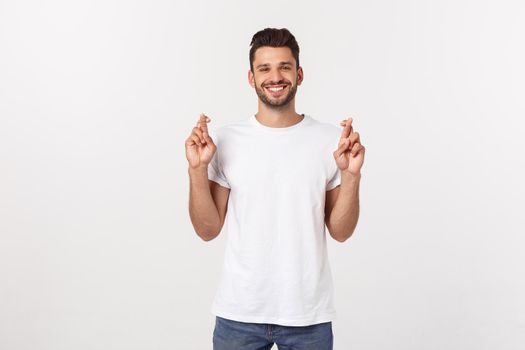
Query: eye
[[286, 68]]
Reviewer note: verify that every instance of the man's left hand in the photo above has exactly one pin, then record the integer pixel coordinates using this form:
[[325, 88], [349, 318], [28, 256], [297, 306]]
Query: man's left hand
[[350, 154]]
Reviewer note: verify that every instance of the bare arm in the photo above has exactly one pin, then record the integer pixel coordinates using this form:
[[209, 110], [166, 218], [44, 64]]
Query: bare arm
[[208, 200], [342, 207], [342, 203], [207, 204]]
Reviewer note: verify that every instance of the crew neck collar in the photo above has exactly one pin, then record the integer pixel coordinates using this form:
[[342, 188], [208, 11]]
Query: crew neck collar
[[301, 123]]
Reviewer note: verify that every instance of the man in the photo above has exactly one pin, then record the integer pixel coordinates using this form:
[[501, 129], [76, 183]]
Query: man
[[281, 177]]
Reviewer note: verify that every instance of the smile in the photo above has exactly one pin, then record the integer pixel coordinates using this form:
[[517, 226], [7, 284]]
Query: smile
[[276, 89]]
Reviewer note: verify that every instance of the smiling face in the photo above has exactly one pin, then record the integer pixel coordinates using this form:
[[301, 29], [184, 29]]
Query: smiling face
[[275, 76]]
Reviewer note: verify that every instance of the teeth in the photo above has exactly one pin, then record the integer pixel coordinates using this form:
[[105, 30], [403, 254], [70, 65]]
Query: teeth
[[276, 89]]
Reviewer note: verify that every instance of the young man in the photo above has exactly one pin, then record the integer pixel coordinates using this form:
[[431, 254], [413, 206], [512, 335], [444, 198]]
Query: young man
[[281, 177]]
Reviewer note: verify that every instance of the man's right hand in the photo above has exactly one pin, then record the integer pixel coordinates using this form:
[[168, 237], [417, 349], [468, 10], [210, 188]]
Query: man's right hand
[[199, 145]]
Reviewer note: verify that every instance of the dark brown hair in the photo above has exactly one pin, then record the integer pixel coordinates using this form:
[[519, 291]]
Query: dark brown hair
[[274, 38]]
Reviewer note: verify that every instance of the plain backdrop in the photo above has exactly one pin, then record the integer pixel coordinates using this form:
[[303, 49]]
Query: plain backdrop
[[97, 250]]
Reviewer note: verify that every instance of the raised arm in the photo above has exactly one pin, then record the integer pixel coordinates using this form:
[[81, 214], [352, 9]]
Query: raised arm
[[207, 200], [342, 203]]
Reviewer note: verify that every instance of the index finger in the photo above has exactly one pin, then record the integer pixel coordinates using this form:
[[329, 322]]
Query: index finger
[[202, 118], [202, 123], [347, 130]]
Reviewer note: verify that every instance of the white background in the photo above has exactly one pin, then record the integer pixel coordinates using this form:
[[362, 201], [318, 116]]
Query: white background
[[97, 250]]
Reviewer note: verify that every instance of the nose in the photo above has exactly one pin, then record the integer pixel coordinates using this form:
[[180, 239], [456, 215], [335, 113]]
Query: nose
[[276, 77]]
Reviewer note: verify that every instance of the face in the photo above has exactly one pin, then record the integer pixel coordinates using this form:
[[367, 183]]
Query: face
[[275, 77]]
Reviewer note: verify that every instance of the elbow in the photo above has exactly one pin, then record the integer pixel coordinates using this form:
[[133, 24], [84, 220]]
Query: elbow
[[343, 238], [207, 231], [207, 238], [207, 235], [340, 236]]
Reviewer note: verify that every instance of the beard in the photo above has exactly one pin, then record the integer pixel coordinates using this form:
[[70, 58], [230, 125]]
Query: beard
[[279, 102]]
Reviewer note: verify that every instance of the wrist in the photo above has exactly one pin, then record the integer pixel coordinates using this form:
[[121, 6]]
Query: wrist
[[350, 176], [201, 168]]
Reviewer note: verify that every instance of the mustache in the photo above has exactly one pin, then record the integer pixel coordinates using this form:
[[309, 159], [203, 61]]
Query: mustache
[[281, 82]]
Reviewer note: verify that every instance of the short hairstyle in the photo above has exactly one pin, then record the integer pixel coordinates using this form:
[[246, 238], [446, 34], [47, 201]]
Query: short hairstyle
[[274, 37]]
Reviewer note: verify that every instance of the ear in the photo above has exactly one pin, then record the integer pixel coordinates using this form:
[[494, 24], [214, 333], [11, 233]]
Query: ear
[[251, 78], [300, 75]]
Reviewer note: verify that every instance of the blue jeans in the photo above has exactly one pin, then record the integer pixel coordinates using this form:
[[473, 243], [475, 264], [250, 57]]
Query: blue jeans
[[235, 335]]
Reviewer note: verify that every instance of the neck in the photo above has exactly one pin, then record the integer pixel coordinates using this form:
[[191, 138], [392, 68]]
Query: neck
[[278, 117]]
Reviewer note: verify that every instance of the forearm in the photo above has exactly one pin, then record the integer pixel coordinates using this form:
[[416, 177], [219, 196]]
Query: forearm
[[203, 211], [345, 213]]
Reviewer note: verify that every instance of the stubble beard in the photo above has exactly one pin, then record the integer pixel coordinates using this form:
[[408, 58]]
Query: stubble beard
[[276, 103]]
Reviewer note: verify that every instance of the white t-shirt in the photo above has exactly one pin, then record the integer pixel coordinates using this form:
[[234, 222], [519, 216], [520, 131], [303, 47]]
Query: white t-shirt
[[276, 269]]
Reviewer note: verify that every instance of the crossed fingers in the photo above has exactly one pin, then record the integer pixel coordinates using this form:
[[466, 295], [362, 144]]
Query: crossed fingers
[[349, 140], [201, 130]]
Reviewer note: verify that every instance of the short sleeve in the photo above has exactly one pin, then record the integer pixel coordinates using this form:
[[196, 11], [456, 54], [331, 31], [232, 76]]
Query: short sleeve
[[335, 180], [334, 173], [215, 172]]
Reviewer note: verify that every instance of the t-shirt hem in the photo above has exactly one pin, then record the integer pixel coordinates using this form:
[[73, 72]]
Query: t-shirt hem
[[283, 321]]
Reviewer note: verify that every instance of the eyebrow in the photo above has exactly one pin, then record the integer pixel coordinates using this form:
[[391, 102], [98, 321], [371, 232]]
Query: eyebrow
[[283, 63]]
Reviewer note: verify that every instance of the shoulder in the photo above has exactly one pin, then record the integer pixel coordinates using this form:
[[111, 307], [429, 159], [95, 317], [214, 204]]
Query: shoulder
[[226, 130], [325, 129]]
